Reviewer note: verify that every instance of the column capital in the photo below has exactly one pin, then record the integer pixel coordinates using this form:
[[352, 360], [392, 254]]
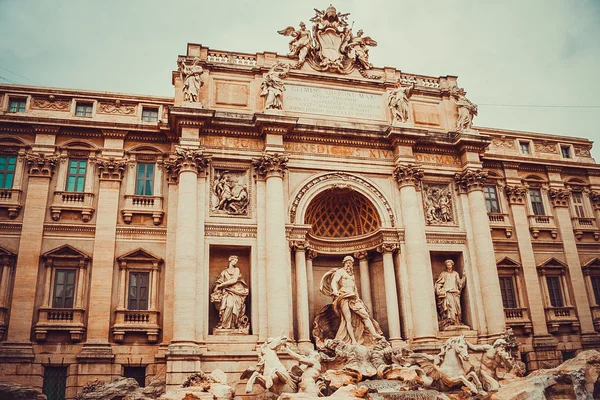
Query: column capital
[[559, 197], [387, 248], [470, 180], [595, 197], [361, 255], [270, 165], [111, 169], [186, 160], [299, 245], [41, 164], [515, 194], [311, 254], [408, 174]]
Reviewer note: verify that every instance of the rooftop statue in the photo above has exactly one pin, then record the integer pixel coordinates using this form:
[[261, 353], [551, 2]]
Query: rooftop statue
[[300, 44], [192, 81], [466, 109], [398, 102], [273, 87]]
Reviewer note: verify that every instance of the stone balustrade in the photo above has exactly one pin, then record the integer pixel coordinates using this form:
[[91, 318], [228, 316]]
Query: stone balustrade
[[73, 201], [11, 200], [518, 317], [223, 57], [557, 316], [143, 205], [70, 320], [501, 221], [136, 321], [581, 225], [539, 223]]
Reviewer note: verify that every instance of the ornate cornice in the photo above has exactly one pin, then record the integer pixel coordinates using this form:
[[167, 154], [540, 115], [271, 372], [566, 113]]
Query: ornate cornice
[[470, 180], [187, 160], [41, 164], [111, 169], [270, 165], [515, 194], [559, 197], [408, 174]]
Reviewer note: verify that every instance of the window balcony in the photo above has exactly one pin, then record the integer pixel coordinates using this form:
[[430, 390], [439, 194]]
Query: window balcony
[[145, 205], [69, 320], [538, 223], [73, 201], [500, 221], [11, 200], [581, 225], [136, 321], [556, 316], [518, 317]]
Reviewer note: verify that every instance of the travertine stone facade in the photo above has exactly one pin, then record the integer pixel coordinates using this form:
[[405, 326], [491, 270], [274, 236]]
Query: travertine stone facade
[[121, 211]]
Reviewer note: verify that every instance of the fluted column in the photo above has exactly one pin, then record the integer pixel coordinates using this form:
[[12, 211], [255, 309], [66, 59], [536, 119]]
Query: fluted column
[[472, 181], [391, 292], [560, 200], [299, 248], [272, 167], [365, 279], [417, 256], [187, 164]]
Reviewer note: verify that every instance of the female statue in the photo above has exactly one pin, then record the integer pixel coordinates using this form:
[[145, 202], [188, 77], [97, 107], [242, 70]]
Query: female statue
[[229, 295]]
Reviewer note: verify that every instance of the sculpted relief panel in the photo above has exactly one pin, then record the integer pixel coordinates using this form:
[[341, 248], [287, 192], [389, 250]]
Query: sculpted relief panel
[[437, 200], [230, 192]]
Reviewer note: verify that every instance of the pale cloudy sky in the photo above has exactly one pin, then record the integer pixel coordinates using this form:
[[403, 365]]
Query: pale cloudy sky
[[531, 65]]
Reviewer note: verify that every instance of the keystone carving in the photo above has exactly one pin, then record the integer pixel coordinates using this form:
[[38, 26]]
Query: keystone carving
[[471, 179], [516, 194], [41, 165], [111, 169], [270, 164], [409, 174], [595, 197], [559, 197], [192, 160]]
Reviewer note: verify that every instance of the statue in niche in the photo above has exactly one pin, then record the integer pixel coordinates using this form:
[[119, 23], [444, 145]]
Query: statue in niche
[[273, 87], [347, 318], [398, 102], [466, 109], [300, 44], [448, 288], [192, 81], [229, 296], [438, 205], [230, 194]]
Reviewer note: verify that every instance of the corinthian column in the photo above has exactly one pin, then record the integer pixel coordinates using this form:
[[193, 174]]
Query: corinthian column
[[187, 164], [472, 181], [391, 292], [423, 311], [272, 167], [365, 279], [299, 248]]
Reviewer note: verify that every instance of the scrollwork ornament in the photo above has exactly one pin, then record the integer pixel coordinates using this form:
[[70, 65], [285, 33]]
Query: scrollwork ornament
[[270, 164], [559, 197], [471, 179], [408, 174], [299, 245], [515, 193], [41, 164], [111, 168]]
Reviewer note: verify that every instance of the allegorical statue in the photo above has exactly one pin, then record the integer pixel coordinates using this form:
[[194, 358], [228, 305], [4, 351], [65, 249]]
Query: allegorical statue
[[232, 196], [448, 288], [398, 102], [229, 295], [347, 318], [495, 356], [357, 49], [272, 86], [192, 81], [301, 42], [466, 109]]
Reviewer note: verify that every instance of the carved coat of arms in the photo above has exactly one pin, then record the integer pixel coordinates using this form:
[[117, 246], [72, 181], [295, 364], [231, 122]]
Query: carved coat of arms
[[332, 46]]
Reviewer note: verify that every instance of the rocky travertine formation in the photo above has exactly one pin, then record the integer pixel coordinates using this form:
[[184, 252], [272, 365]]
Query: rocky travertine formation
[[123, 388], [574, 379], [14, 391]]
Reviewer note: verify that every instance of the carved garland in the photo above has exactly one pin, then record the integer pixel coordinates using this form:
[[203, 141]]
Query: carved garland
[[346, 177]]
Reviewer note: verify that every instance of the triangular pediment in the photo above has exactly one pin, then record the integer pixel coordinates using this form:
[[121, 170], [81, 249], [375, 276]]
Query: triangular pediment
[[552, 263], [66, 251], [6, 253], [594, 263], [139, 255], [508, 262]]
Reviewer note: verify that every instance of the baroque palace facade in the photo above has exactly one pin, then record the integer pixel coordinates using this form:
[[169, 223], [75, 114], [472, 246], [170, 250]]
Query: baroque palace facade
[[119, 216]]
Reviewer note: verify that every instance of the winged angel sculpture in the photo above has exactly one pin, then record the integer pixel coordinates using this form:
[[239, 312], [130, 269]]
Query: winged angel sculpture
[[331, 46]]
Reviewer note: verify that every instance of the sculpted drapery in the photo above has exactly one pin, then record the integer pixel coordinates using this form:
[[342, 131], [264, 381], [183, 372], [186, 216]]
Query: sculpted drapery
[[229, 295], [448, 287]]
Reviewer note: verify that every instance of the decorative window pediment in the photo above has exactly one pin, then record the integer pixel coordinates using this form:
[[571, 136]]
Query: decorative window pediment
[[65, 253], [592, 265], [508, 264], [552, 264], [139, 256]]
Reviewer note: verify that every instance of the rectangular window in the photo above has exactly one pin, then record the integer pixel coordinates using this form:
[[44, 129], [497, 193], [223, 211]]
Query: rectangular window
[[537, 205], [16, 105], [7, 171], [138, 291], [554, 291], [137, 373], [145, 179], [491, 199], [64, 288], [83, 110], [507, 289], [565, 151], [578, 204], [596, 288], [76, 175], [55, 382], [524, 146], [149, 114]]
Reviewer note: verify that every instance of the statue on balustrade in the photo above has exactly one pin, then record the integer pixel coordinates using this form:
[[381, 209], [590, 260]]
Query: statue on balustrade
[[347, 318], [273, 87], [466, 109], [398, 102], [300, 44], [448, 288], [192, 81], [229, 296]]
